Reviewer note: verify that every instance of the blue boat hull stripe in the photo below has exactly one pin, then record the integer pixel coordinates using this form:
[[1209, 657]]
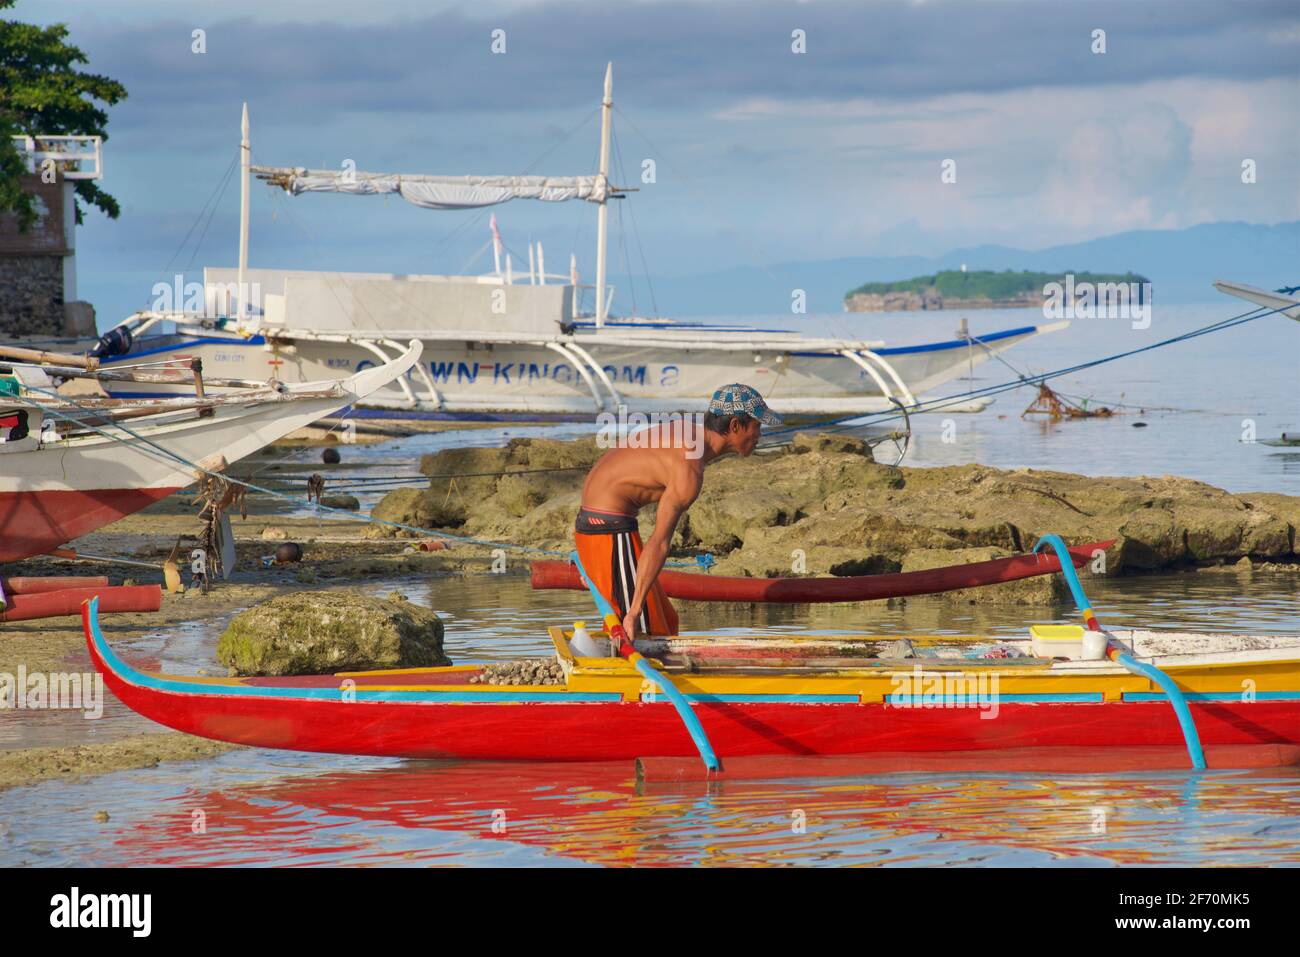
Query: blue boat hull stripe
[[937, 698], [160, 683], [188, 343], [1230, 696]]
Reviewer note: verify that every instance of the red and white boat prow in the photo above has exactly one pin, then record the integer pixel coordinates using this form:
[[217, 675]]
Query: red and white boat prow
[[56, 488]]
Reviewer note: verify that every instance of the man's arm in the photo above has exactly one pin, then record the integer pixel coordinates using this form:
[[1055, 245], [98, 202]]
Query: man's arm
[[682, 491]]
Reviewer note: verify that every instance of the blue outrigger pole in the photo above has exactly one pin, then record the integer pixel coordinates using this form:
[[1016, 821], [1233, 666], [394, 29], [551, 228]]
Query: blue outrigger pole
[[1117, 654], [628, 651]]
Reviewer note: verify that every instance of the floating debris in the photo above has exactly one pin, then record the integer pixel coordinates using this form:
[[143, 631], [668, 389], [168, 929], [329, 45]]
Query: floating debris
[[1058, 407], [529, 671]]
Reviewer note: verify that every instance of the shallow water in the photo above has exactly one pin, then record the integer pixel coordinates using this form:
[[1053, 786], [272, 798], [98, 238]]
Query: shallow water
[[258, 807], [268, 807]]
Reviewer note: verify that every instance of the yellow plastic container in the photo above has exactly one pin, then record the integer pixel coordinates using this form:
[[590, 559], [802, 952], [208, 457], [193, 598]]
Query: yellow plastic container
[[1057, 641]]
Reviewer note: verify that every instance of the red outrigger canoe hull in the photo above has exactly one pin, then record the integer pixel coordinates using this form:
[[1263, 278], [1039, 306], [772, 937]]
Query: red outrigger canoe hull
[[691, 587], [310, 714]]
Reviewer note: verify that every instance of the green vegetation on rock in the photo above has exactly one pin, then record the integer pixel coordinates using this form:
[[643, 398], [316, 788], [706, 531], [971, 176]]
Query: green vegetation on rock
[[324, 632]]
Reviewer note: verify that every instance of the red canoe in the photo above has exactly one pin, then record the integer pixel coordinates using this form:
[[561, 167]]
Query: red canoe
[[551, 574], [605, 711]]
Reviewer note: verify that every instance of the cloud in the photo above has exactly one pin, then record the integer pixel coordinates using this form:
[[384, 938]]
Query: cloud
[[1121, 172], [764, 155], [672, 54]]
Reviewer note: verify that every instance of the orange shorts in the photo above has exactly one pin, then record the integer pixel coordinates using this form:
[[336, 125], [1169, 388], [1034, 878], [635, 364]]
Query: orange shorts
[[610, 557]]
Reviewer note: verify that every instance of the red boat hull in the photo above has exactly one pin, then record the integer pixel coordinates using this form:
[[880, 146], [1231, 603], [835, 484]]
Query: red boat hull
[[34, 523], [610, 730], [690, 587]]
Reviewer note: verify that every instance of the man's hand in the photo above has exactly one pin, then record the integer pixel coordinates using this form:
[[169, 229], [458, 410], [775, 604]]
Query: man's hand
[[629, 624]]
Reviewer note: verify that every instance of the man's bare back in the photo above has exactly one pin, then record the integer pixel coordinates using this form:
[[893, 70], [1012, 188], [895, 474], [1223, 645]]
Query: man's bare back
[[664, 465], [627, 479]]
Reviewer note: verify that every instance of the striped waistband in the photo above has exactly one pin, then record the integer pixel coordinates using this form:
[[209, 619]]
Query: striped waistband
[[592, 521]]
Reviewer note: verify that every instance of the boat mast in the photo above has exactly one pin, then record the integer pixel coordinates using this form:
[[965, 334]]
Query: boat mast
[[244, 154], [603, 216]]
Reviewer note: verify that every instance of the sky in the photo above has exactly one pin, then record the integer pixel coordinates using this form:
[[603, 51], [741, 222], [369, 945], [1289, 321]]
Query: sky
[[762, 154]]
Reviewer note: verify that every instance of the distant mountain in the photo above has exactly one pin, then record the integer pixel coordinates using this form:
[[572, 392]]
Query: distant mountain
[[1180, 263]]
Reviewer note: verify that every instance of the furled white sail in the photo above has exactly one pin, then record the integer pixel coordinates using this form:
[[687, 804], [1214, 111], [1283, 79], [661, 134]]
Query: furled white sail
[[438, 192]]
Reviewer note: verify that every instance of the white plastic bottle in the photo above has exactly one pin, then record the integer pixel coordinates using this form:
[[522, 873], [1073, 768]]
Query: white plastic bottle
[[583, 645]]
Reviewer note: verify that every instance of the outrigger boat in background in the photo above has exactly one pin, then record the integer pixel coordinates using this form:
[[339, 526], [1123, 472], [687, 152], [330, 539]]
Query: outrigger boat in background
[[767, 703], [507, 346], [70, 465]]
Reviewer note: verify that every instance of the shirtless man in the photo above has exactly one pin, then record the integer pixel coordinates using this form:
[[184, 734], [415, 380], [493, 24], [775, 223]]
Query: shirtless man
[[671, 473]]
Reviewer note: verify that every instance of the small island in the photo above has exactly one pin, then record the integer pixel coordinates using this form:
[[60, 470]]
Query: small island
[[983, 289]]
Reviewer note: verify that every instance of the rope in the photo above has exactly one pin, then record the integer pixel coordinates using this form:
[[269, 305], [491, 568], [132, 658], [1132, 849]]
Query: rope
[[837, 424], [219, 188], [167, 454], [1077, 398], [446, 475]]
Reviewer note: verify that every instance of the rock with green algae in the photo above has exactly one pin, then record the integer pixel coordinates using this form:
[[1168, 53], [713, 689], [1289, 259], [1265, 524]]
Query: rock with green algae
[[323, 632], [417, 508], [825, 507]]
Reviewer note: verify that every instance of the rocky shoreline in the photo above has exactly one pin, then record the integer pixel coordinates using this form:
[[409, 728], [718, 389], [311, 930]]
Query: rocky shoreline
[[823, 506]]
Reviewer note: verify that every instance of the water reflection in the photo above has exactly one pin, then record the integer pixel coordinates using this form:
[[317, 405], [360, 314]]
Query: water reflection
[[428, 813]]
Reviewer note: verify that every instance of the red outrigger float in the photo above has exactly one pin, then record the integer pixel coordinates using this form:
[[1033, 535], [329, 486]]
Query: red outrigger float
[[691, 587]]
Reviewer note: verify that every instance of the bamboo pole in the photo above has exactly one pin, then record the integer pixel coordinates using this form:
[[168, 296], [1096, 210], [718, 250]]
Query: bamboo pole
[[114, 375], [85, 363]]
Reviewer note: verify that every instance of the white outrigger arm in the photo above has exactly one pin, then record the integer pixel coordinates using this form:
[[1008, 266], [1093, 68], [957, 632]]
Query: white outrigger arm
[[1288, 305]]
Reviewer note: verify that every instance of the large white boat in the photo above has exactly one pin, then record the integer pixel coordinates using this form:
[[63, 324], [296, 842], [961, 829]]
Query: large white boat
[[514, 345]]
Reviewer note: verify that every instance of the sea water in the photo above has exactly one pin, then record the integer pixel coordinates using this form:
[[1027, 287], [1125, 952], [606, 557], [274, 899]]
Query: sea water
[[272, 807]]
